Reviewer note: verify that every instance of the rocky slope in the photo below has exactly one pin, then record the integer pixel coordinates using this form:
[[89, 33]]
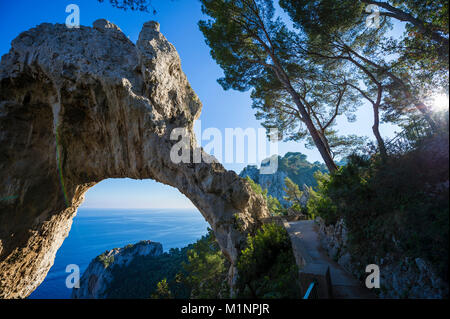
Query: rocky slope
[[408, 240], [293, 165], [95, 280], [81, 105], [400, 276]]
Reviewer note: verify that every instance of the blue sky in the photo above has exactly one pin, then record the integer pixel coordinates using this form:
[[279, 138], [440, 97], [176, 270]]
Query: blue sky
[[221, 109]]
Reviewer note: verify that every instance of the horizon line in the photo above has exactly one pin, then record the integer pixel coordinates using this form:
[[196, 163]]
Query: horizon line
[[138, 208]]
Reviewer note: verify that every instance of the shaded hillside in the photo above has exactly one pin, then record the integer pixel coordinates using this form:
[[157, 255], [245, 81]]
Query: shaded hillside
[[293, 165]]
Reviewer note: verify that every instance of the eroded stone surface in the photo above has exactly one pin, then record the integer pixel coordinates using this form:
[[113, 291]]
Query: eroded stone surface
[[81, 105], [400, 276], [97, 277]]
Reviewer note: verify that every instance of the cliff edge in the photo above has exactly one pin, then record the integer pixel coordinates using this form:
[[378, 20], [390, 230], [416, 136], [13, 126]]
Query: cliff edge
[[95, 280]]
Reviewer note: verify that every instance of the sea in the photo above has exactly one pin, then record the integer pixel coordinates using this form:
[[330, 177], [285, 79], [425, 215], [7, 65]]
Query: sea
[[96, 230]]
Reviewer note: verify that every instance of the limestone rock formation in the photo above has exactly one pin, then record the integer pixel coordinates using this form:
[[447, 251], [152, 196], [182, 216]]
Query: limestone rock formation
[[293, 165], [97, 276], [400, 276], [81, 105]]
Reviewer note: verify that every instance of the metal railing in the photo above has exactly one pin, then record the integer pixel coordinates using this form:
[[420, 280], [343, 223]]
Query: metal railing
[[311, 292]]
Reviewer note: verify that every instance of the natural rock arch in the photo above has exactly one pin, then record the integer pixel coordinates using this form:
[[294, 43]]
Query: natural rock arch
[[81, 105]]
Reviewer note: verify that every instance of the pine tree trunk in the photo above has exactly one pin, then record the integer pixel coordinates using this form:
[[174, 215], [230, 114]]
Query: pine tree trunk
[[326, 156], [376, 132], [323, 149]]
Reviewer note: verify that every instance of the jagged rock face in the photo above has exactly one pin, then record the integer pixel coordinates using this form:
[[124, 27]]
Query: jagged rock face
[[400, 276], [81, 105], [251, 171], [273, 183], [293, 165], [98, 275]]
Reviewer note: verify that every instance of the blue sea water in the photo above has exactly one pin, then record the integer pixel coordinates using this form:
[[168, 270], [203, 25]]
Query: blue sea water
[[96, 230]]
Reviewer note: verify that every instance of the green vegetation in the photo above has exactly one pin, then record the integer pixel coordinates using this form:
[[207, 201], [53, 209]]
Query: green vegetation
[[296, 167], [293, 194], [273, 204], [267, 267], [140, 278], [256, 50], [302, 80], [390, 207], [196, 271], [321, 205], [162, 290], [299, 169], [105, 260], [207, 269]]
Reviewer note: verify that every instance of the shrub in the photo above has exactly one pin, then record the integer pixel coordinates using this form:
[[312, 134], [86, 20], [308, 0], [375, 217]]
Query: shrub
[[267, 267], [206, 269], [390, 206], [105, 260], [196, 271], [162, 290], [140, 278], [273, 204], [319, 204]]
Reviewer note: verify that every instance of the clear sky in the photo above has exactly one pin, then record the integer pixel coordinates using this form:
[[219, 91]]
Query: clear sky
[[221, 109]]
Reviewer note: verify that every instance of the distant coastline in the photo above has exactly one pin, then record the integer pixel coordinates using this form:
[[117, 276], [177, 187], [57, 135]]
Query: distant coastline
[[96, 230]]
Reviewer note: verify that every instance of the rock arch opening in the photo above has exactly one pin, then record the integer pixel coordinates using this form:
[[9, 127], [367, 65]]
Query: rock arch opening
[[117, 213], [78, 106]]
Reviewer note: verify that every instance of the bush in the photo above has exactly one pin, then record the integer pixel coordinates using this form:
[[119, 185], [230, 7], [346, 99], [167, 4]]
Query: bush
[[196, 271], [273, 204], [162, 290], [267, 267], [390, 207], [319, 204], [140, 278], [105, 260], [207, 269]]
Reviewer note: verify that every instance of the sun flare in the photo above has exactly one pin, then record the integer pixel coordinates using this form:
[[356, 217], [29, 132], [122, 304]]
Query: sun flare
[[440, 102]]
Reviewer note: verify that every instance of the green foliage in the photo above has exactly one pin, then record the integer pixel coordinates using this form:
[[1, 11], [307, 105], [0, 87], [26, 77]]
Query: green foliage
[[325, 16], [267, 267], [298, 169], [257, 51], [232, 40], [105, 260], [275, 207], [133, 5], [256, 187], [293, 192], [294, 195], [402, 72], [196, 271], [424, 45], [140, 278], [162, 290], [319, 204], [390, 207], [206, 269], [273, 204], [200, 270]]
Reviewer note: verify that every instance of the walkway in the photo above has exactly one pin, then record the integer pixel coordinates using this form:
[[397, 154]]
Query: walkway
[[314, 263]]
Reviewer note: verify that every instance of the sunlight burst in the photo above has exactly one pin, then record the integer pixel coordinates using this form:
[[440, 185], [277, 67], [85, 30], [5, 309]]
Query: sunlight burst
[[440, 102]]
